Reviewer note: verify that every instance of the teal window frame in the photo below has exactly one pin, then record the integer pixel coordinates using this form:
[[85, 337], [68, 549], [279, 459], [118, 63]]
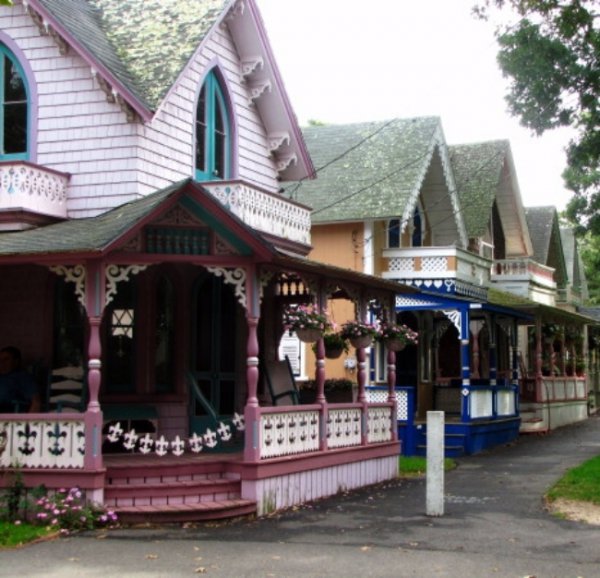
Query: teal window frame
[[7, 55], [212, 132]]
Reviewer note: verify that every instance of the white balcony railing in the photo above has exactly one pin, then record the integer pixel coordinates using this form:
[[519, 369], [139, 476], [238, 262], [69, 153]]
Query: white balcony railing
[[528, 270], [437, 264], [266, 212], [32, 188]]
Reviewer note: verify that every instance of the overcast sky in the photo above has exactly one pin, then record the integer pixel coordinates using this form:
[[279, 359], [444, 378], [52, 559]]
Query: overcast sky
[[350, 61]]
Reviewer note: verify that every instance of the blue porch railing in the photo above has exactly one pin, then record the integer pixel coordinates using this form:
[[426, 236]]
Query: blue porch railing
[[467, 406]]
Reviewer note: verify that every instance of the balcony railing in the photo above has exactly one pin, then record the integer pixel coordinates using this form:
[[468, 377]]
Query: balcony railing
[[32, 188], [444, 269], [266, 212], [528, 270]]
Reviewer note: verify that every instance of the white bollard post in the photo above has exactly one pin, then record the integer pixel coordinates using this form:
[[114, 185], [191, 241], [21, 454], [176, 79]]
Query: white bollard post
[[435, 464]]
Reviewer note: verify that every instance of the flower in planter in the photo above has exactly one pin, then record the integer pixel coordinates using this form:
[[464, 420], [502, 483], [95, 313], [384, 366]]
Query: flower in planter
[[402, 333], [353, 329], [305, 317]]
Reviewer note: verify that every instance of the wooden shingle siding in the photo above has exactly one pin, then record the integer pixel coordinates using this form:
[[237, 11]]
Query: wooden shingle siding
[[111, 160]]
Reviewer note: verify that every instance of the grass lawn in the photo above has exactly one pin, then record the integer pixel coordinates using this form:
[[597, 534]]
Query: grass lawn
[[581, 483], [16, 534], [417, 466]]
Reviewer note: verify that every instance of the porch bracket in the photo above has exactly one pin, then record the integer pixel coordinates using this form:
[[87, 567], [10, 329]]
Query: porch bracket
[[115, 274], [455, 318], [235, 277], [73, 274]]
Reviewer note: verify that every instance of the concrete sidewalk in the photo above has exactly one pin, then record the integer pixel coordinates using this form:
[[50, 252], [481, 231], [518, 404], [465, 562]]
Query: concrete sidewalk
[[494, 525]]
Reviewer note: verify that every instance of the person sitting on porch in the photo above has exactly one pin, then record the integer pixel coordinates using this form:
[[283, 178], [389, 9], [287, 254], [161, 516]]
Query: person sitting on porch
[[18, 390]]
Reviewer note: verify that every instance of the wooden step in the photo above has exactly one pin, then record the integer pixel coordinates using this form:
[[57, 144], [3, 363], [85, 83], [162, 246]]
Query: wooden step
[[200, 512]]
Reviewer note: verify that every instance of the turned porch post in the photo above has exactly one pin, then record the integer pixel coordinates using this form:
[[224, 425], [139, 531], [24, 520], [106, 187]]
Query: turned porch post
[[252, 409], [94, 302], [465, 362], [391, 381]]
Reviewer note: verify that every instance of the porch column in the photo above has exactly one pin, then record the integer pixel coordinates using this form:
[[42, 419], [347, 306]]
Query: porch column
[[538, 359], [252, 361], [252, 410], [475, 327], [465, 362], [361, 357], [94, 304], [493, 330], [391, 380], [514, 342], [320, 371]]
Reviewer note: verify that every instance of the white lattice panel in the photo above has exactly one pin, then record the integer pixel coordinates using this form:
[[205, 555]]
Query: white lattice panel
[[42, 444], [480, 403], [403, 264], [376, 395], [284, 434], [379, 424], [505, 401], [343, 428], [434, 264], [402, 405]]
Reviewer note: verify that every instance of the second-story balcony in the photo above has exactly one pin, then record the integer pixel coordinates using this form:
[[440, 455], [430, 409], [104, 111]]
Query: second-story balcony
[[527, 278], [30, 194], [449, 270], [266, 212]]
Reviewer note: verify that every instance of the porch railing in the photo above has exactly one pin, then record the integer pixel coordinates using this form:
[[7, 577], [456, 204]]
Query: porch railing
[[550, 389], [294, 430], [49, 441], [476, 402], [438, 268]]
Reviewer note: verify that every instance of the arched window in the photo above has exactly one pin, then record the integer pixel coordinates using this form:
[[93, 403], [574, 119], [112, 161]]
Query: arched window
[[14, 102], [393, 233], [417, 231], [213, 138]]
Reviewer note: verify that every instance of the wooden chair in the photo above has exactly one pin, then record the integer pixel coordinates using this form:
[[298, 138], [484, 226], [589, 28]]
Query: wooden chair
[[281, 382], [66, 388]]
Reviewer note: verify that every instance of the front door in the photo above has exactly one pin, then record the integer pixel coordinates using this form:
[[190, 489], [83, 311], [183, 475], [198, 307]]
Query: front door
[[212, 378]]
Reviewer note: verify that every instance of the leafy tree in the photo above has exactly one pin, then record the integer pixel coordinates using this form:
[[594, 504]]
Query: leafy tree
[[551, 53], [589, 246]]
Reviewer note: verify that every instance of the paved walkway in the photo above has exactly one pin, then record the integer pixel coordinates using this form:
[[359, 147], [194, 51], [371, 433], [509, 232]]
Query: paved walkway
[[494, 525]]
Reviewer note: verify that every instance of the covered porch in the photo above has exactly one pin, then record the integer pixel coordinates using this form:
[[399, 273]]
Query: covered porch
[[170, 310]]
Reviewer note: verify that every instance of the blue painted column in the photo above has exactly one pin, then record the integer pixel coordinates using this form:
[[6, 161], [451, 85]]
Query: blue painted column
[[465, 363]]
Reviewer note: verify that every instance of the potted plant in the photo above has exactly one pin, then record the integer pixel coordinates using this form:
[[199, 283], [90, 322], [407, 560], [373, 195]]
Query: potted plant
[[359, 334], [307, 321], [397, 337], [335, 345]]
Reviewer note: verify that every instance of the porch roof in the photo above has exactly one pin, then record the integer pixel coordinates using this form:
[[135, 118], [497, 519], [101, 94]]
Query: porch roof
[[98, 236], [436, 302], [533, 308]]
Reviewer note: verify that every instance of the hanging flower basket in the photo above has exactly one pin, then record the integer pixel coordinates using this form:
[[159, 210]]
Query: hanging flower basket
[[395, 344], [335, 345], [397, 337], [307, 321], [333, 352], [361, 341], [359, 334], [308, 335]]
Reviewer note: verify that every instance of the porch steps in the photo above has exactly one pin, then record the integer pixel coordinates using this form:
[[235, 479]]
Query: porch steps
[[174, 492], [454, 445]]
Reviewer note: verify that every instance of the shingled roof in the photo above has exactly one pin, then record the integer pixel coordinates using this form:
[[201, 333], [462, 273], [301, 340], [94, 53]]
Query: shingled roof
[[540, 221], [366, 170], [477, 172], [83, 235], [145, 44]]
